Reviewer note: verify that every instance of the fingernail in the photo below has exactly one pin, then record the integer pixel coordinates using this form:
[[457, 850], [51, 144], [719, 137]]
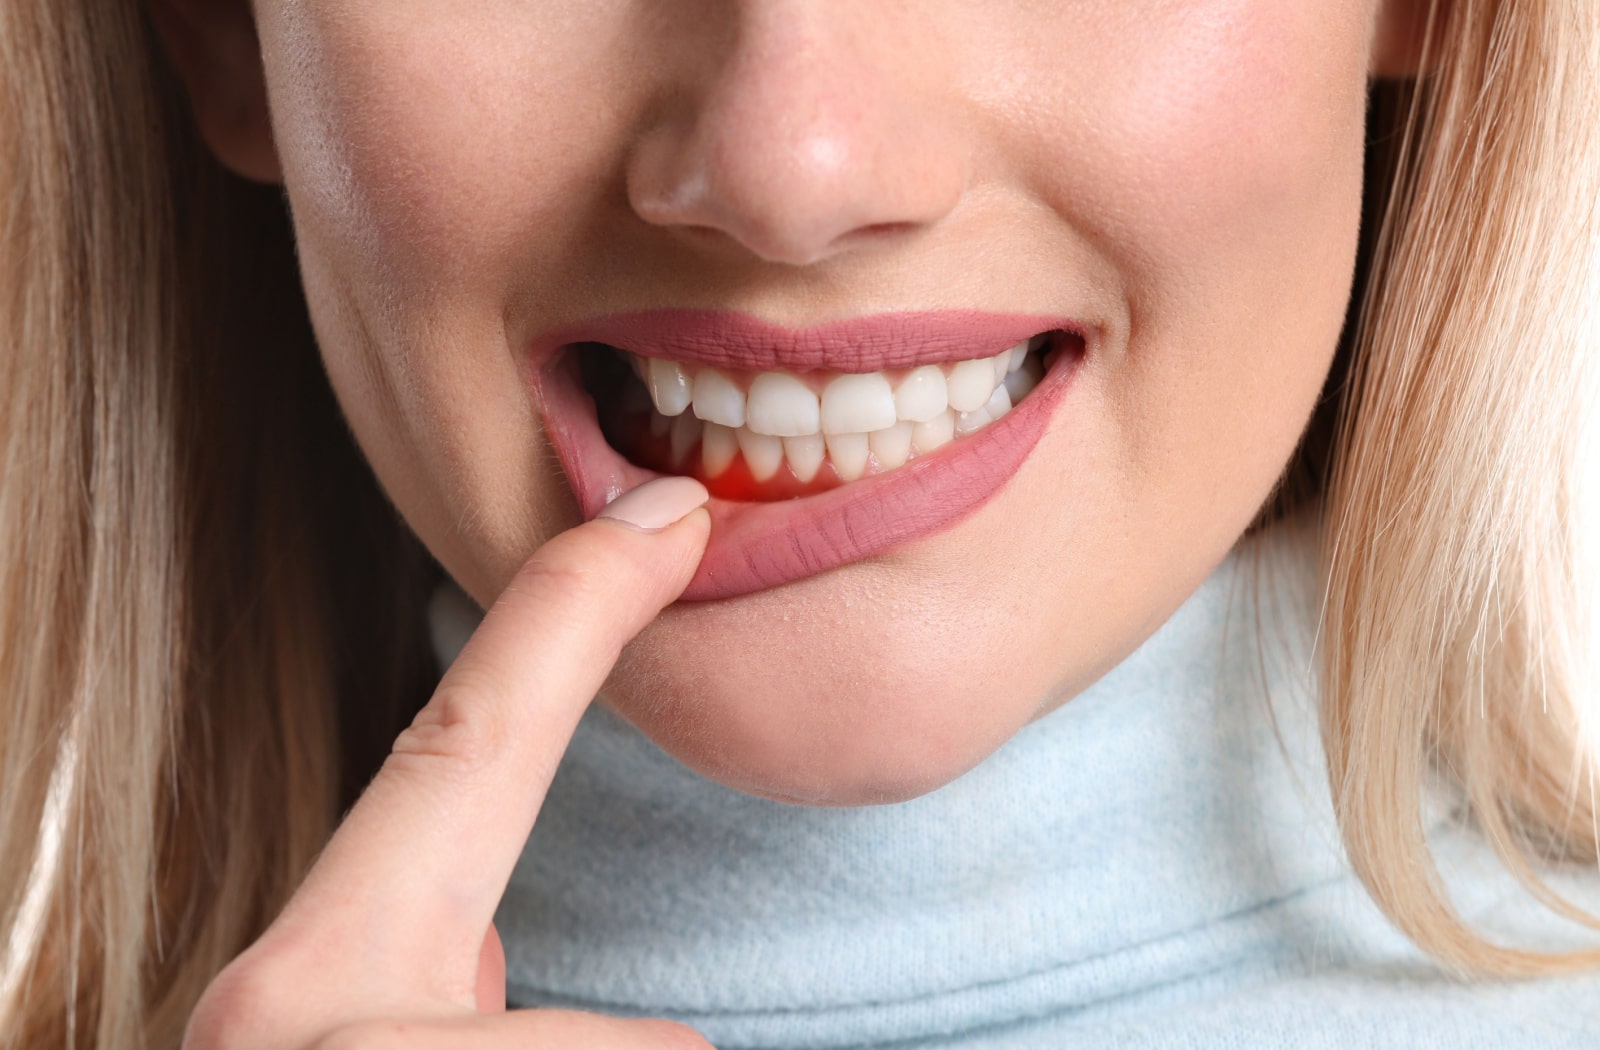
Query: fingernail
[[657, 503]]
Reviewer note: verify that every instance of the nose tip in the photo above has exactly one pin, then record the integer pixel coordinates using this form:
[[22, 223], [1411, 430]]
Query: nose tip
[[797, 157]]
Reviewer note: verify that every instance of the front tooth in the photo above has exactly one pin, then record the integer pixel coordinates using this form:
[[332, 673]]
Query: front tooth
[[857, 403], [685, 432], [921, 395], [934, 433], [783, 406], [718, 446], [670, 388], [717, 400], [970, 384], [891, 447], [848, 453], [763, 454], [804, 454]]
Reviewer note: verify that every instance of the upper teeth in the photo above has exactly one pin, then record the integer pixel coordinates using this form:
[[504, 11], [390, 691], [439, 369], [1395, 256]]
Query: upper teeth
[[786, 405]]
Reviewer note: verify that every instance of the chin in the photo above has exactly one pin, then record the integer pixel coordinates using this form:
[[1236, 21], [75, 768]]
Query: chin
[[772, 704], [869, 758]]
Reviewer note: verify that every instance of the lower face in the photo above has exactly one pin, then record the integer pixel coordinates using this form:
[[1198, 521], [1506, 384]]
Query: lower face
[[507, 214]]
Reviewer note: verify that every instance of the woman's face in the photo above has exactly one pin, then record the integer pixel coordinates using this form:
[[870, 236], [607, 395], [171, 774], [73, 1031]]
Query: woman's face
[[484, 192]]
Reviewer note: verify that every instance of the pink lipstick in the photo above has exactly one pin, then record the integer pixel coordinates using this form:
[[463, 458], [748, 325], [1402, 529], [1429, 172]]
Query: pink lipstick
[[756, 545]]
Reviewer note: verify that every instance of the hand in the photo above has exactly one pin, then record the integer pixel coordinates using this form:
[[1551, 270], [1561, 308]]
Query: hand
[[389, 940]]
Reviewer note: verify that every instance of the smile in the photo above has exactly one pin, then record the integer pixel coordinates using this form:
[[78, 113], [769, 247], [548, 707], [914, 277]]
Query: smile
[[820, 446]]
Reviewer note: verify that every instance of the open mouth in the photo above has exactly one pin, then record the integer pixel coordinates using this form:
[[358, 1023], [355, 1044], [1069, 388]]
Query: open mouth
[[820, 446], [778, 435]]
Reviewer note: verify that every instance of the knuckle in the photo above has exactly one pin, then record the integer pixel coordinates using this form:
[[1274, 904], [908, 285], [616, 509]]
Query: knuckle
[[457, 732]]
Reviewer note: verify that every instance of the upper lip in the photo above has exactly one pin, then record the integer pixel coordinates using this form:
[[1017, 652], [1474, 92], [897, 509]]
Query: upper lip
[[740, 342]]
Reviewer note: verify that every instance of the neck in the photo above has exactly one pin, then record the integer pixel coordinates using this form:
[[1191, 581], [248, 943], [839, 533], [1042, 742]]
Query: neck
[[1066, 872]]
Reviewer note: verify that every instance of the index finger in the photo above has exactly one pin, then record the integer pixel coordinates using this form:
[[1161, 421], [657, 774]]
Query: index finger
[[411, 879]]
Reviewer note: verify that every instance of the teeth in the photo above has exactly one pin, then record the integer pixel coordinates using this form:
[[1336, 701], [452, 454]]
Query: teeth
[[805, 455], [972, 422], [717, 399], [999, 403], [848, 453], [763, 454], [1002, 364], [970, 384], [718, 446], [669, 386], [783, 406], [1022, 380], [891, 446], [921, 395], [935, 433], [685, 432], [859, 421], [857, 404]]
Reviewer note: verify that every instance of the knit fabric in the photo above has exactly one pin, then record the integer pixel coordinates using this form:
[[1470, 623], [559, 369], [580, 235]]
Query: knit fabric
[[1148, 866]]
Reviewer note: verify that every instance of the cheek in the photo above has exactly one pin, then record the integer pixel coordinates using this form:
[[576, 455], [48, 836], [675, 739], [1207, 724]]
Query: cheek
[[434, 164], [429, 147], [1221, 176], [1220, 129]]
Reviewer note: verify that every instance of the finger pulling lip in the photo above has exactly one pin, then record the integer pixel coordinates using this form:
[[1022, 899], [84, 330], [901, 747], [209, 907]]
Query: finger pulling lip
[[754, 546]]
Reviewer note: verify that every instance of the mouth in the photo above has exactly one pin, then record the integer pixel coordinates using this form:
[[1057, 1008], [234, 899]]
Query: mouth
[[820, 447]]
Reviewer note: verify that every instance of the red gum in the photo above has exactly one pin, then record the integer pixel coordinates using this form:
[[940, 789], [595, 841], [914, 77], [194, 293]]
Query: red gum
[[754, 546]]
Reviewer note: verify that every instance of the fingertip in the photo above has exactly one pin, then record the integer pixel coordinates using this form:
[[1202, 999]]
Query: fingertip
[[671, 551], [671, 1035], [667, 556], [608, 574], [657, 504], [697, 524]]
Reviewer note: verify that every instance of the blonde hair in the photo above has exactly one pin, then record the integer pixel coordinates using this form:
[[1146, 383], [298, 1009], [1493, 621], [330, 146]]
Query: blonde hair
[[1453, 623], [211, 621], [209, 615]]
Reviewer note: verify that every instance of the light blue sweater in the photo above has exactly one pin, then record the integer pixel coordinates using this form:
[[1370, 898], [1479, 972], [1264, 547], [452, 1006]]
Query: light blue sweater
[[1142, 868]]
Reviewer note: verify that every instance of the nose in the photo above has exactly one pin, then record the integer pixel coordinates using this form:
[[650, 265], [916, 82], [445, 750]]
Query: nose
[[821, 129]]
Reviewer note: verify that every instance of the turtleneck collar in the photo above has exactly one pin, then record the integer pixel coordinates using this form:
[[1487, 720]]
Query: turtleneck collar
[[1157, 829]]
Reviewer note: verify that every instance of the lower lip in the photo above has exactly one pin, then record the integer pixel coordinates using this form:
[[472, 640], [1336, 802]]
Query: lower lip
[[754, 546]]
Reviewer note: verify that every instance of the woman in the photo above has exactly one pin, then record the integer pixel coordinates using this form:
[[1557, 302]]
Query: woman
[[550, 253]]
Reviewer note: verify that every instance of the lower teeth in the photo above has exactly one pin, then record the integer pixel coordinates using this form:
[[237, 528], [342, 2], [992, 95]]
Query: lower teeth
[[736, 457]]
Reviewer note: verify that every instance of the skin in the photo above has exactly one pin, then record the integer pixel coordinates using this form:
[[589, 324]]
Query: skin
[[1183, 175]]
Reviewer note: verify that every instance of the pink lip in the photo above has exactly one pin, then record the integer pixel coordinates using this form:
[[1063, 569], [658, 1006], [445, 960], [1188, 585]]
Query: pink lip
[[758, 545], [865, 344]]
